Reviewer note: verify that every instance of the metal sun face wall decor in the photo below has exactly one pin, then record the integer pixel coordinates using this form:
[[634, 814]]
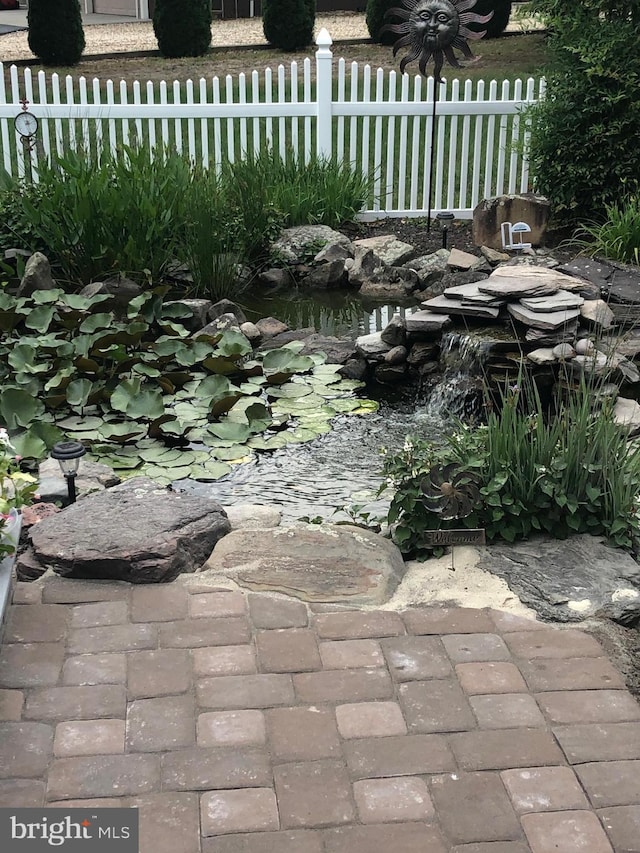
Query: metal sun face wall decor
[[432, 29]]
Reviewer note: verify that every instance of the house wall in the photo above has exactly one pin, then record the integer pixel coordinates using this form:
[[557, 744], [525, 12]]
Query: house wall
[[116, 7]]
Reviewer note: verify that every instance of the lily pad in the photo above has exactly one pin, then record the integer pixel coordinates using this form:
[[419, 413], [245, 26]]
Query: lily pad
[[293, 390]]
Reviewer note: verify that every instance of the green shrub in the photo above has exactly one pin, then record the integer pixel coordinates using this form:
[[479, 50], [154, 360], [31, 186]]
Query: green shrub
[[618, 237], [568, 471], [501, 13], [121, 214], [55, 34], [214, 241], [584, 154], [375, 18], [16, 229], [288, 24], [182, 27]]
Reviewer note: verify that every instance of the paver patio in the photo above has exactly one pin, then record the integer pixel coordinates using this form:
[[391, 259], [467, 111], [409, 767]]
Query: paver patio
[[251, 724]]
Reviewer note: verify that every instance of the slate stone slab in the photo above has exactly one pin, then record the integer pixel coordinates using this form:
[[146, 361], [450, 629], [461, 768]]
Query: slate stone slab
[[625, 287], [549, 321], [137, 531], [560, 301], [442, 305], [426, 321], [591, 269], [472, 293], [569, 580], [327, 562], [516, 282]]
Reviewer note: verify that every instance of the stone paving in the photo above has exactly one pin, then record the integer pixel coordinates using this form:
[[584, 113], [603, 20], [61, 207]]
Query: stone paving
[[251, 724]]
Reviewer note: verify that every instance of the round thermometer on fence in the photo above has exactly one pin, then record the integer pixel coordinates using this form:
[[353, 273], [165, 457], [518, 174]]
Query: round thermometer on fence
[[26, 124]]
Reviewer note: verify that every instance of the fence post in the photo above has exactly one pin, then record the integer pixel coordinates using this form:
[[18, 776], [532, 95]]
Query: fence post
[[324, 95]]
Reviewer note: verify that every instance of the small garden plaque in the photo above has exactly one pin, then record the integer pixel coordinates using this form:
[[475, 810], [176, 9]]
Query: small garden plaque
[[463, 536]]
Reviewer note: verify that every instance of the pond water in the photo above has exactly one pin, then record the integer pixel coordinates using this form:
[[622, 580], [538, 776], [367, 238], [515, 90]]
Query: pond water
[[317, 480]]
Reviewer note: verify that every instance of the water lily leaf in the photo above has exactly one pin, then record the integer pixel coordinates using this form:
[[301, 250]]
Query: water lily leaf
[[193, 354], [259, 417], [274, 442], [250, 388], [345, 405], [43, 297], [40, 318], [122, 432], [29, 446], [81, 303], [173, 427], [348, 385], [228, 454], [220, 365], [210, 470], [160, 454], [233, 345], [279, 365], [313, 401], [19, 408], [95, 322], [79, 391], [302, 434], [291, 389], [176, 311], [60, 378], [24, 358], [121, 462], [168, 347], [125, 393], [137, 400], [177, 472], [252, 369], [158, 475], [146, 370], [365, 407], [75, 423], [230, 430]]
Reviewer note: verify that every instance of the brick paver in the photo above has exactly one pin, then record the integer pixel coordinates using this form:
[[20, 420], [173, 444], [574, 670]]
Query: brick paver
[[251, 723]]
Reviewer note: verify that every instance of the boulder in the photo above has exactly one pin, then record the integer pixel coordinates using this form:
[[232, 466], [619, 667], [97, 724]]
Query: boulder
[[387, 249], [627, 414], [568, 580], [251, 332], [120, 289], [269, 327], [564, 352], [426, 322], [397, 355], [597, 313], [422, 353], [354, 368], [589, 269], [226, 306], [299, 244], [372, 347], [326, 276], [92, 477], [37, 275], [625, 286], [385, 291], [543, 355], [389, 374], [395, 332], [334, 252], [493, 256], [223, 323], [199, 312], [489, 215], [316, 563], [337, 351], [253, 516], [464, 260], [136, 532], [430, 268], [276, 277]]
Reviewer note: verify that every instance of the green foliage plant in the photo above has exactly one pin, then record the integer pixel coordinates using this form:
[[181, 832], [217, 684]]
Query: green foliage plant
[[121, 214], [583, 153], [182, 27], [288, 24], [501, 13], [571, 470], [618, 237], [55, 33], [17, 489], [148, 398], [375, 18]]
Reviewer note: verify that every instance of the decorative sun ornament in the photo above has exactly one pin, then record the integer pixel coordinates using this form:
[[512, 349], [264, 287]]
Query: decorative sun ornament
[[450, 491], [431, 29]]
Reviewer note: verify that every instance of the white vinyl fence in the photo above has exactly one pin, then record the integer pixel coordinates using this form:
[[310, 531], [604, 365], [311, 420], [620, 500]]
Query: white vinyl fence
[[380, 122]]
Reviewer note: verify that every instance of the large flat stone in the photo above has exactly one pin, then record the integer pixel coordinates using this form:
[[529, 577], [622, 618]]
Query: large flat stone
[[442, 305], [560, 301], [472, 293], [137, 532], [548, 321], [387, 248], [312, 562], [426, 321], [515, 282], [568, 580]]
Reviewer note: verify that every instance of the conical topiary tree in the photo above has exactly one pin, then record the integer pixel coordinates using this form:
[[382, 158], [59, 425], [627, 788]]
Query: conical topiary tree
[[375, 18], [182, 27], [55, 35], [288, 24]]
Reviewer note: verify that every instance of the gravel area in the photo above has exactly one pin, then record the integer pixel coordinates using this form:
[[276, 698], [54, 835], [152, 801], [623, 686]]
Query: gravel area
[[107, 38]]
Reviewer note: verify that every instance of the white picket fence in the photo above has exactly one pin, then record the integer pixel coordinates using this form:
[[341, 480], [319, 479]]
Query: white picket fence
[[380, 122]]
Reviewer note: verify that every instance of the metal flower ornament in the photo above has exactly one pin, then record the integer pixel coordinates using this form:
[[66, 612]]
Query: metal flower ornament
[[433, 29]]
